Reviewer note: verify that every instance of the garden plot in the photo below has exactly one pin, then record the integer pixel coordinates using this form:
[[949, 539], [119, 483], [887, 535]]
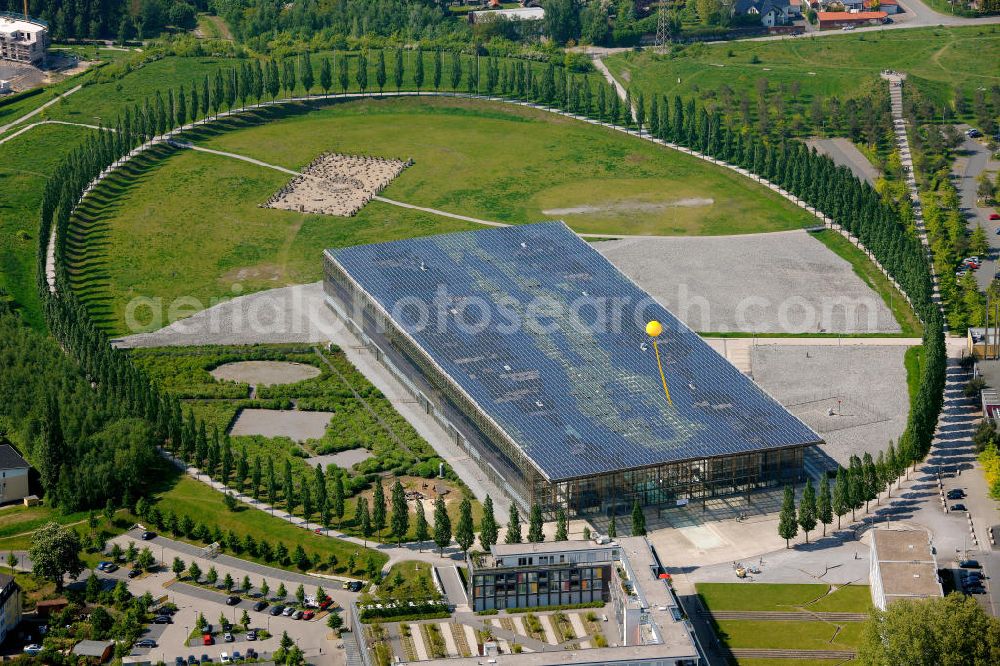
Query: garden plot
[[265, 373], [864, 387], [296, 426], [335, 184]]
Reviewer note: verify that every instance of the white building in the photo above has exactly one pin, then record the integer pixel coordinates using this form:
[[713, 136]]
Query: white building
[[23, 40], [516, 14], [903, 566], [10, 605]]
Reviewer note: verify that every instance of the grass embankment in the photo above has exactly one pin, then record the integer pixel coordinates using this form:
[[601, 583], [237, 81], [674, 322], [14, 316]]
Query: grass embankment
[[25, 162], [844, 66], [473, 158], [807, 634], [873, 277], [913, 361], [188, 497]]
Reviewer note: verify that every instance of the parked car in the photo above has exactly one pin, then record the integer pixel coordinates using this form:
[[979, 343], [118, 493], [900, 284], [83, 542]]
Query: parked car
[[162, 619], [288, 612], [147, 535], [146, 643], [958, 507], [232, 600], [251, 636], [995, 216], [970, 564], [207, 640], [192, 659], [887, 21], [956, 493], [323, 605], [208, 628], [308, 615], [237, 657], [355, 586], [32, 649], [205, 659], [276, 610], [973, 133], [108, 567], [228, 637], [224, 658], [259, 606], [847, 27], [251, 653], [135, 573], [297, 615], [180, 661]]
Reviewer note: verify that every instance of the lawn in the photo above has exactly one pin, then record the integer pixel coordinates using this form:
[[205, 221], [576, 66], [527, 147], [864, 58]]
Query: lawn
[[409, 579], [18, 523], [873, 277], [758, 596], [913, 361], [846, 66], [783, 635], [24, 163], [188, 497], [845, 599], [196, 215]]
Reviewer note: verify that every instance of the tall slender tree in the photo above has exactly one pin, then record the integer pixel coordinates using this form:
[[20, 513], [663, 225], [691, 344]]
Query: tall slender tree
[[841, 500], [638, 519], [378, 508], [824, 507], [442, 525], [400, 521], [535, 533], [465, 531], [787, 525], [513, 526], [807, 509], [561, 527], [488, 528]]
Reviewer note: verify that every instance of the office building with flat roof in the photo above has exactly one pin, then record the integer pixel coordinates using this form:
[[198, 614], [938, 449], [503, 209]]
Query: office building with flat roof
[[530, 348], [903, 566]]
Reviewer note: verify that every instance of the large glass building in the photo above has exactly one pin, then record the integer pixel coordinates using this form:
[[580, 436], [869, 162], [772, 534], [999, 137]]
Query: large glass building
[[530, 348]]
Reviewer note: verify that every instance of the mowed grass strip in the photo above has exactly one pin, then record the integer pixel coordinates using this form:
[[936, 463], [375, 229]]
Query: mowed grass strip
[[873, 277], [188, 497], [788, 635], [758, 596]]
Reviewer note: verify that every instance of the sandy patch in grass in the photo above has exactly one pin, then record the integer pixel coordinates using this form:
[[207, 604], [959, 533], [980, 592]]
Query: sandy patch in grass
[[264, 373], [297, 426]]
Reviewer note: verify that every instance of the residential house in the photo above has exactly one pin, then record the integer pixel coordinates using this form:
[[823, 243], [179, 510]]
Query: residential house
[[13, 474], [10, 605], [888, 6], [834, 20], [771, 12]]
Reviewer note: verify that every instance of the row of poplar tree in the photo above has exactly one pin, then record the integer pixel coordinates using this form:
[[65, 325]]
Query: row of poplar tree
[[812, 177], [861, 482]]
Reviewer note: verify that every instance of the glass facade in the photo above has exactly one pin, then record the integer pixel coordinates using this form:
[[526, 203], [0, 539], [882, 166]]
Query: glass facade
[[504, 462], [529, 587]]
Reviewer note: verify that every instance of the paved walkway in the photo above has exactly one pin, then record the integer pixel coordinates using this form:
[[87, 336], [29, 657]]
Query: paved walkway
[[896, 80], [50, 122], [35, 112]]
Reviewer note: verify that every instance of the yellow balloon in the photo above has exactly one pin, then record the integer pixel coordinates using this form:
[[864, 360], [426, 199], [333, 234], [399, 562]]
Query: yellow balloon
[[654, 328]]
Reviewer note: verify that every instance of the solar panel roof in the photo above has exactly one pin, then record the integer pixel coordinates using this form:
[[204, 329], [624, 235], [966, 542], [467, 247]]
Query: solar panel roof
[[548, 338]]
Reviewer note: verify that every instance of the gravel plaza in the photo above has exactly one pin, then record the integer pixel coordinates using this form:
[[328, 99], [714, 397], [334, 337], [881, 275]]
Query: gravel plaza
[[783, 282]]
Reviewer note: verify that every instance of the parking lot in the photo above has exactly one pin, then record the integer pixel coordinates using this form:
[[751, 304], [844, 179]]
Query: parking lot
[[312, 636]]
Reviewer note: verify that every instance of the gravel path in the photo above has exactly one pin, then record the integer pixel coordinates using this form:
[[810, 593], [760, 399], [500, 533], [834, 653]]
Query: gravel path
[[845, 153]]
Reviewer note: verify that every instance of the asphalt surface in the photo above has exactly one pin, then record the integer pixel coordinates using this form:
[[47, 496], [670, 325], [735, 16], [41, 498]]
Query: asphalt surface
[[974, 158], [845, 153]]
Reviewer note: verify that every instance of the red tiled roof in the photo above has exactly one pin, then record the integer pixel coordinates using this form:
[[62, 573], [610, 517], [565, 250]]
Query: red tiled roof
[[850, 16]]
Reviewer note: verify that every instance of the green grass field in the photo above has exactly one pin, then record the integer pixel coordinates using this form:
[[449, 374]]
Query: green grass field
[[806, 634], [936, 59], [784, 635], [873, 277], [24, 164], [188, 224]]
